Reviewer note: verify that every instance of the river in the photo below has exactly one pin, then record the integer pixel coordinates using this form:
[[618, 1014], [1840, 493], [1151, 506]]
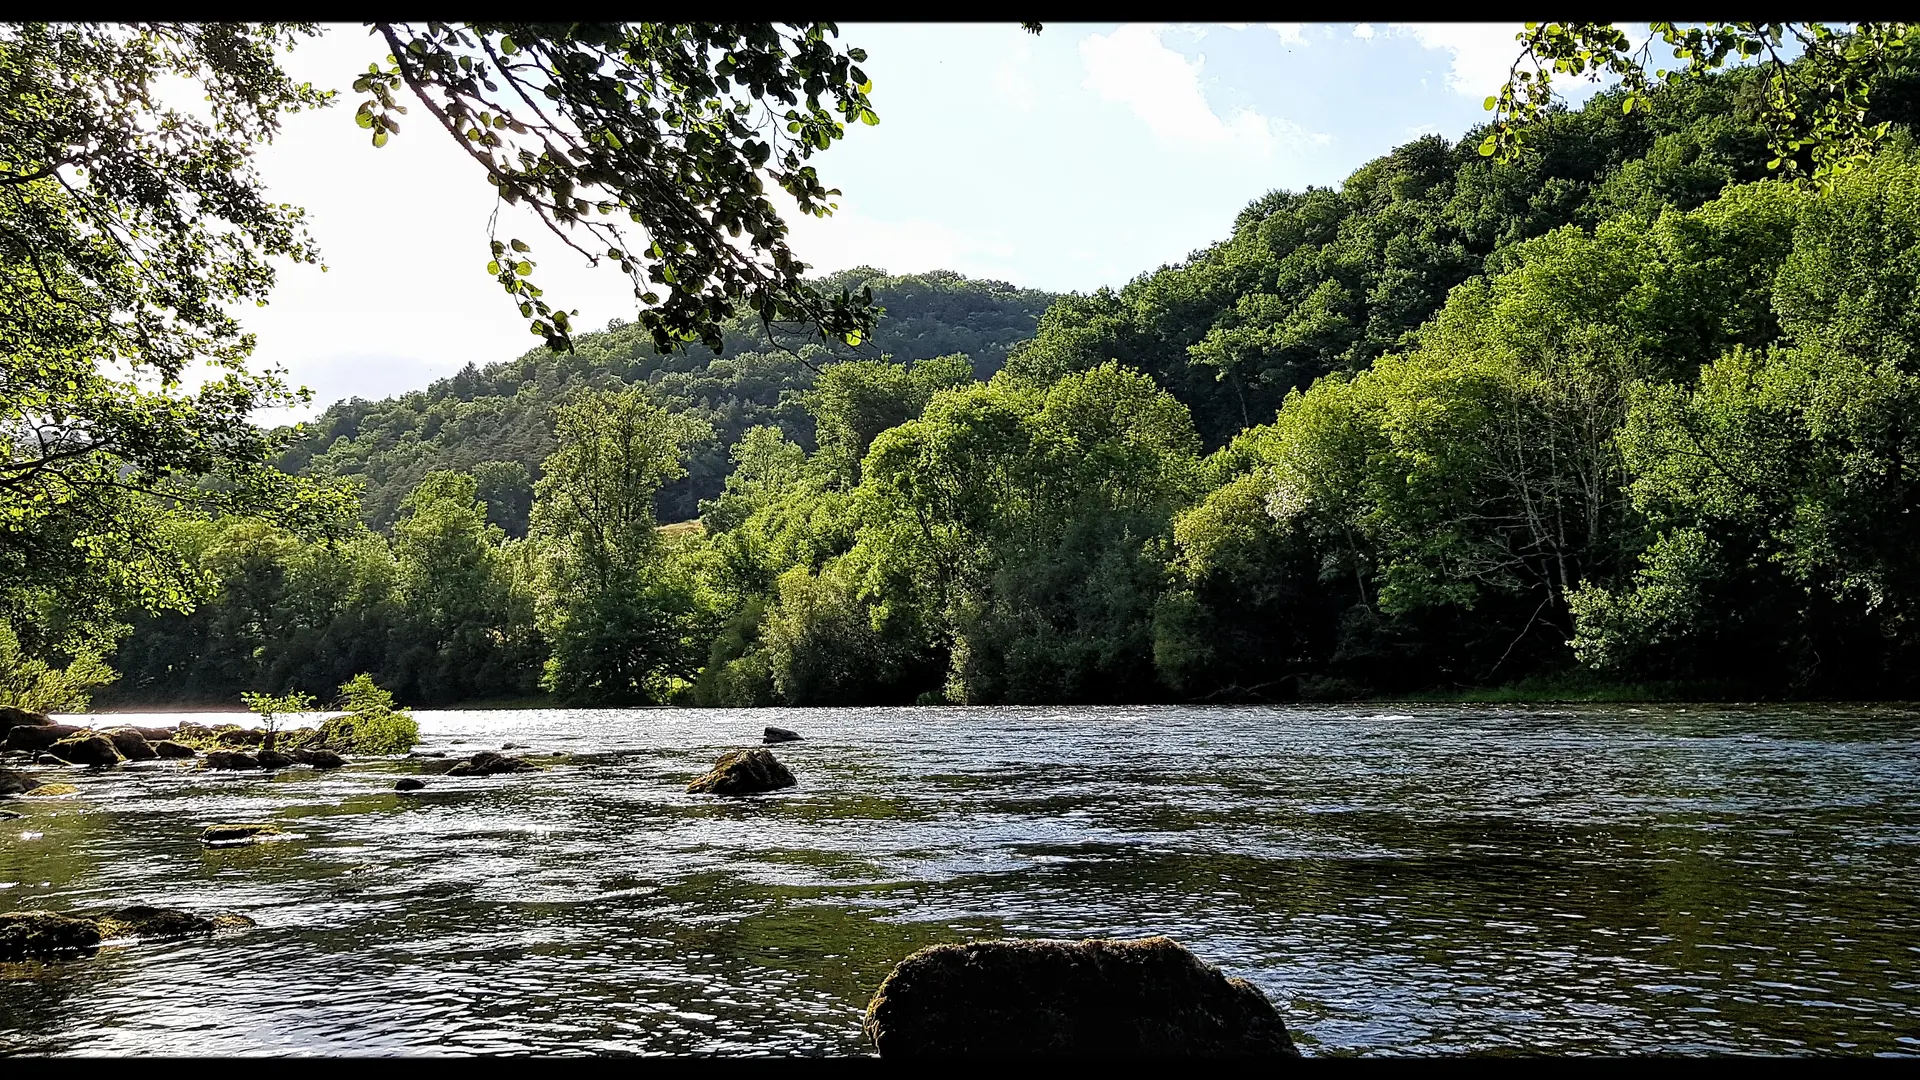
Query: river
[[1398, 879]]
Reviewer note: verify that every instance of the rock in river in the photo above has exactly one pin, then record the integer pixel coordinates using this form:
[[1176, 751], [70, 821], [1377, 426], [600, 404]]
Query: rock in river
[[30, 738], [52, 791], [132, 744], [408, 783], [45, 935], [273, 759], [32, 935], [1093, 998], [743, 772], [171, 750], [487, 763], [13, 783], [86, 750], [237, 834], [779, 735], [140, 920], [319, 759], [12, 717], [230, 759]]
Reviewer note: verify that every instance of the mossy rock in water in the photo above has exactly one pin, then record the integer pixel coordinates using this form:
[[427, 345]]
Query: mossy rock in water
[[13, 783], [319, 759], [1093, 998], [273, 759], [132, 744], [140, 920], [487, 763], [33, 739], [174, 751], [744, 772], [40, 935], [86, 749], [52, 791], [237, 833], [230, 759]]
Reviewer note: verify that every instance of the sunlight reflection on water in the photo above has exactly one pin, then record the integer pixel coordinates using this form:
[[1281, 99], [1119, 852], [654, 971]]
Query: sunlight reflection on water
[[1398, 880]]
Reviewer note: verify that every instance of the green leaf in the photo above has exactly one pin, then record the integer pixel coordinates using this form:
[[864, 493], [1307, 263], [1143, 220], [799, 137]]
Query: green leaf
[[519, 245], [494, 268], [523, 268]]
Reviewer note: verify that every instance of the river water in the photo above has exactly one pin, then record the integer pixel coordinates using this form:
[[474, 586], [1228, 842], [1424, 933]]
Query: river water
[[1399, 880]]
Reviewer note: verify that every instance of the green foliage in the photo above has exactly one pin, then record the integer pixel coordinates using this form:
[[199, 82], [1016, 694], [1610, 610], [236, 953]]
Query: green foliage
[[1815, 106], [128, 232], [1620, 414], [31, 682], [376, 726], [714, 106], [272, 708], [622, 624], [504, 412]]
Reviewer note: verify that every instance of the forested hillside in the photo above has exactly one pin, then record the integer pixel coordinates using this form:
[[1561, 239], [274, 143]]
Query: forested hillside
[[1625, 412], [497, 421]]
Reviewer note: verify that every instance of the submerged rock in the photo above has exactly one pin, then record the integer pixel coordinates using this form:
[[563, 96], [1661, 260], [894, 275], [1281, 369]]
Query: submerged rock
[[39, 935], [52, 791], [140, 920], [33, 738], [488, 763], [88, 749], [744, 772], [1093, 998], [174, 751], [13, 783], [13, 717], [408, 783], [230, 759], [237, 834], [319, 759], [779, 735], [132, 744], [49, 759]]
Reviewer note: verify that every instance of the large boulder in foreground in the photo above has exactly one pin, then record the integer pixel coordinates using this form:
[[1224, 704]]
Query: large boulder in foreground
[[487, 763], [744, 772], [1093, 998], [86, 749], [33, 935]]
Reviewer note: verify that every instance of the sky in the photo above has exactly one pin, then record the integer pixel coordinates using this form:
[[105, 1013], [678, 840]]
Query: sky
[[1080, 157]]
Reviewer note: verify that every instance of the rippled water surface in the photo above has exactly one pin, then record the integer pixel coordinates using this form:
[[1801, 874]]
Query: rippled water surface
[[1398, 880]]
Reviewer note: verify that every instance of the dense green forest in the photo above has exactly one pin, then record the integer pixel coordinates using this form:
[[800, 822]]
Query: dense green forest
[[1624, 412]]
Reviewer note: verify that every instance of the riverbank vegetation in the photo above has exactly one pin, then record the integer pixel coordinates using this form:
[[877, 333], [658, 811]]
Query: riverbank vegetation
[[1625, 409]]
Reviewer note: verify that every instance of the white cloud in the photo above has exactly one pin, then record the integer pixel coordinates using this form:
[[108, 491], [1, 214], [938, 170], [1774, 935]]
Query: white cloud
[[1363, 31], [1483, 53], [1011, 83], [1133, 67], [1289, 32]]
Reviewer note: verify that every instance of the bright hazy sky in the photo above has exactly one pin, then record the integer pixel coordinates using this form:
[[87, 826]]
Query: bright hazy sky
[[1078, 158]]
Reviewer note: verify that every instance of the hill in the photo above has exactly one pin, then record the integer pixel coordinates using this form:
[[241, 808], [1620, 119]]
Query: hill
[[496, 421]]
